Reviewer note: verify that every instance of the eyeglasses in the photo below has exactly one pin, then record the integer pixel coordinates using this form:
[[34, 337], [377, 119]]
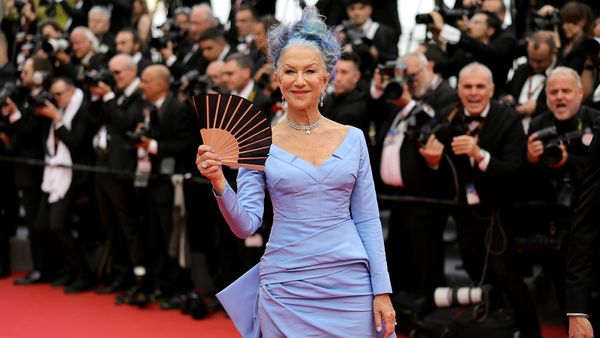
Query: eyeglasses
[[117, 72]]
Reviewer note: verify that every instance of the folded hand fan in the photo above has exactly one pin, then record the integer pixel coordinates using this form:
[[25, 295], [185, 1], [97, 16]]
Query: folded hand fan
[[235, 128]]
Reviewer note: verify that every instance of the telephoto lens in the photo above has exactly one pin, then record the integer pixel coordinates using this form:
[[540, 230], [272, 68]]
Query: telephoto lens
[[449, 297]]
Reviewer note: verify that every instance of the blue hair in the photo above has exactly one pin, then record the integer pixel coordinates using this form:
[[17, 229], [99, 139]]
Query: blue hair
[[310, 31]]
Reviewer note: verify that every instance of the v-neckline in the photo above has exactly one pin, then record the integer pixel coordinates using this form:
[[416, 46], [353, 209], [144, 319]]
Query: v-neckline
[[317, 166]]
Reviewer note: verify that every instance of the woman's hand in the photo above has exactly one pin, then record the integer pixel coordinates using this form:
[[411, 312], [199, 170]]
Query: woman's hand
[[384, 314], [209, 165]]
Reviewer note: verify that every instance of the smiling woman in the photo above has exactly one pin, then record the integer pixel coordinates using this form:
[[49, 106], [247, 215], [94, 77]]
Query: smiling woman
[[324, 270]]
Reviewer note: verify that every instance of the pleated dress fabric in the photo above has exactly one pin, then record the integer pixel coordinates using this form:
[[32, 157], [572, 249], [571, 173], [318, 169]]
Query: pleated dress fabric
[[325, 257]]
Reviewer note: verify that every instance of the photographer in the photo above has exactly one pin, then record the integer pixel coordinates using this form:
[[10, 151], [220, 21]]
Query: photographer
[[99, 24], [84, 56], [557, 151], [117, 115], [374, 42], [128, 42], [237, 75], [415, 245], [486, 146], [526, 88], [484, 41], [26, 141]]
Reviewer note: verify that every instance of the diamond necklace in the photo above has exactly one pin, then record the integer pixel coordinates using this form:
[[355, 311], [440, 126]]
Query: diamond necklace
[[307, 129]]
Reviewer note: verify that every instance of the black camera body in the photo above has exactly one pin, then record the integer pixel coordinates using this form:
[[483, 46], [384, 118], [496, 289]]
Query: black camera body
[[39, 100], [394, 87], [172, 33], [7, 91], [354, 35], [449, 15], [552, 141], [136, 136], [545, 22], [196, 84], [93, 77]]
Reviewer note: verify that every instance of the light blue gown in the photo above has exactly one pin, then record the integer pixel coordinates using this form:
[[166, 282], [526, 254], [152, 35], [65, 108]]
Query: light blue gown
[[325, 257]]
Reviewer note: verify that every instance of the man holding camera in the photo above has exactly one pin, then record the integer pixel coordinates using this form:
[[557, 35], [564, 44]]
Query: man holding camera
[[374, 42], [84, 56], [414, 246], [557, 151], [116, 115], [485, 143]]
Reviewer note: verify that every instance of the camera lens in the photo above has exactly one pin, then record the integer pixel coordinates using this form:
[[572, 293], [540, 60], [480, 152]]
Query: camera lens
[[552, 154], [393, 90]]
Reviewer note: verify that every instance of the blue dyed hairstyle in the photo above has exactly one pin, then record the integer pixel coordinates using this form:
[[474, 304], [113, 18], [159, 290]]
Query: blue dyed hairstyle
[[310, 31]]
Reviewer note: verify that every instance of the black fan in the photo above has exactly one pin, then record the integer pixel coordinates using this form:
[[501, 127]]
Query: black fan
[[235, 128]]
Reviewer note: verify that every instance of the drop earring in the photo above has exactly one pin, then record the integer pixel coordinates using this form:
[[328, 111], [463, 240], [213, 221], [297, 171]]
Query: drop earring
[[321, 99]]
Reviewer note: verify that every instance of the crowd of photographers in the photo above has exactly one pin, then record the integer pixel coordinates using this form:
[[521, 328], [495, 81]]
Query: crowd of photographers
[[495, 119]]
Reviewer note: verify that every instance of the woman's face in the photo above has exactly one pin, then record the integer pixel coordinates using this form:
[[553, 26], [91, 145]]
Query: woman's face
[[572, 30], [302, 77]]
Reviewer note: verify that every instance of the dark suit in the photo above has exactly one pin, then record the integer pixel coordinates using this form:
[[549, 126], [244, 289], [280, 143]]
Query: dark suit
[[115, 193], [55, 216], [500, 134], [414, 247], [497, 55], [516, 84], [174, 128], [350, 109], [582, 263]]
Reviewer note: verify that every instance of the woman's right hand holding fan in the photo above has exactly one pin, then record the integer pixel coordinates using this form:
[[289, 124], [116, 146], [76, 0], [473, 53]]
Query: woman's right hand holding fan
[[209, 165]]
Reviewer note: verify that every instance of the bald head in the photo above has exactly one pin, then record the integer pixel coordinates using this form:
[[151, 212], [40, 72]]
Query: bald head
[[123, 69], [155, 82]]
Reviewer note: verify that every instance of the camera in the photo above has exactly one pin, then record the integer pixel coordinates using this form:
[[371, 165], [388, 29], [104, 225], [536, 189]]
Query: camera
[[552, 141], [354, 35], [170, 32], [39, 100], [394, 86], [7, 91], [450, 297], [544, 22], [136, 136], [93, 77], [197, 84], [449, 15], [53, 46]]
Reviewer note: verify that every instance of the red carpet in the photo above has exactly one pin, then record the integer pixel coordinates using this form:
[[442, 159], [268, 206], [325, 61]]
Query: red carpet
[[43, 311]]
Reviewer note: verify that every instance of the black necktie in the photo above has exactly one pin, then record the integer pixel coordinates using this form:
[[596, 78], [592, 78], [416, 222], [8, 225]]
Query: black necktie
[[471, 118]]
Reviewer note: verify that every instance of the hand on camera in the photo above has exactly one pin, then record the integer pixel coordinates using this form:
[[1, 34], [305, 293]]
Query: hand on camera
[[437, 24], [100, 89], [432, 151], [209, 166], [9, 107], [49, 111], [535, 149]]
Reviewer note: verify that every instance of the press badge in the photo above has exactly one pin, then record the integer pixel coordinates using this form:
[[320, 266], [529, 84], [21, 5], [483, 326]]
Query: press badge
[[472, 196]]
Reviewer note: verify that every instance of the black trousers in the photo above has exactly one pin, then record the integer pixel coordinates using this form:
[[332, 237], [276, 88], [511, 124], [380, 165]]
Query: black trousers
[[120, 219], [415, 249], [169, 276], [55, 219], [502, 269]]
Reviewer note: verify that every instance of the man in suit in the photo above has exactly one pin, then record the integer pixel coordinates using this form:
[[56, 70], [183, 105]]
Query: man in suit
[[128, 42], [526, 88], [483, 41], [415, 241], [99, 24], [555, 172], [383, 40], [84, 56], [582, 259], [169, 146], [116, 115], [348, 103], [26, 130], [486, 146], [237, 76], [67, 141]]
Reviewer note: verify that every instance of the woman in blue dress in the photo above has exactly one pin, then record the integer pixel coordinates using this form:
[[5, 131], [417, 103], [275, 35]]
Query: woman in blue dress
[[323, 273]]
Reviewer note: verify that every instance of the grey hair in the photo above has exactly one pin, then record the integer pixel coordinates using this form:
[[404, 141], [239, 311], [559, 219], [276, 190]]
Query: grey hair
[[105, 12], [88, 34], [561, 70], [208, 12], [418, 55], [473, 66]]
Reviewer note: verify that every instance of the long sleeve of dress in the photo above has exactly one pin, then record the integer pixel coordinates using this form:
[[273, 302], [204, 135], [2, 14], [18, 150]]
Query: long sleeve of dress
[[365, 214], [244, 211]]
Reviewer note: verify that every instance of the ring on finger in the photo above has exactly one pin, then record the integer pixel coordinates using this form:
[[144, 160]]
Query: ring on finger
[[204, 165]]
